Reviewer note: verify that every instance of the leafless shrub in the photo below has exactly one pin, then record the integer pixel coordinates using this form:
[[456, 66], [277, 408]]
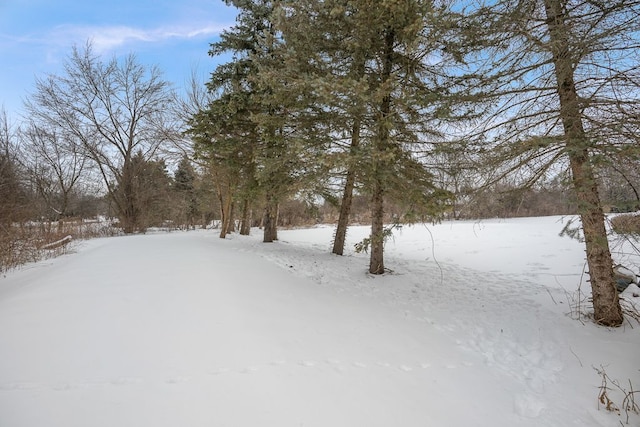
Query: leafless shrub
[[628, 224], [17, 246], [580, 307], [22, 243], [579, 303], [628, 405], [630, 308]]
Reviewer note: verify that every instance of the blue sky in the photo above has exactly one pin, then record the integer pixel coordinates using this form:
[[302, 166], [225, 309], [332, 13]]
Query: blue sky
[[36, 36]]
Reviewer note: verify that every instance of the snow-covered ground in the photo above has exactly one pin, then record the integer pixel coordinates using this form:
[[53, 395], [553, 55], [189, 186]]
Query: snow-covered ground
[[472, 326]]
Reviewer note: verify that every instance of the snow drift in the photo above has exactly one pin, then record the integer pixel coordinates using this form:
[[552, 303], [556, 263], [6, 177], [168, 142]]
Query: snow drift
[[475, 325]]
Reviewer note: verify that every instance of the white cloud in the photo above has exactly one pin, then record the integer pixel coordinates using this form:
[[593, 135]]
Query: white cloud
[[108, 38]]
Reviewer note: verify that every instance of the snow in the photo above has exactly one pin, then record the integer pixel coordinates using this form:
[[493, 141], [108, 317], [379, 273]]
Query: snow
[[474, 325]]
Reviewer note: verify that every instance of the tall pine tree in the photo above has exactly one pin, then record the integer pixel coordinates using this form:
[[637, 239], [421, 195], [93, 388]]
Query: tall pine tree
[[258, 114], [561, 76], [374, 69]]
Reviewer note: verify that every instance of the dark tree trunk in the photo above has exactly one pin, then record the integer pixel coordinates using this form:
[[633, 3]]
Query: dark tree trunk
[[245, 223], [225, 211], [127, 199], [381, 163], [250, 188], [606, 304], [376, 260], [270, 219], [347, 195], [231, 224]]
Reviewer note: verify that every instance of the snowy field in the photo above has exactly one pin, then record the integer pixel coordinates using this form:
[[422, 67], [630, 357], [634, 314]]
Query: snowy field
[[475, 325]]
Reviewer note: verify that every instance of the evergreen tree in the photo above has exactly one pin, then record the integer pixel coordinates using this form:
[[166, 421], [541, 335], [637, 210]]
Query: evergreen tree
[[184, 186], [149, 192], [254, 123], [327, 68], [225, 137], [225, 133], [364, 65], [562, 78]]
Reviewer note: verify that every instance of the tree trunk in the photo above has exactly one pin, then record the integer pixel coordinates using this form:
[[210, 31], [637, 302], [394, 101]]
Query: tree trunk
[[381, 162], [231, 224], [225, 209], [376, 260], [226, 199], [347, 195], [270, 219], [127, 203], [606, 304], [245, 223]]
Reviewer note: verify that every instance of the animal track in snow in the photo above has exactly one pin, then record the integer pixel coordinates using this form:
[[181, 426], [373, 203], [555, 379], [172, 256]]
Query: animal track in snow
[[336, 365], [177, 380], [126, 381], [19, 386]]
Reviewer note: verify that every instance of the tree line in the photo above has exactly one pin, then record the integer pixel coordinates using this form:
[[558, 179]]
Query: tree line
[[423, 109], [335, 97], [44, 184]]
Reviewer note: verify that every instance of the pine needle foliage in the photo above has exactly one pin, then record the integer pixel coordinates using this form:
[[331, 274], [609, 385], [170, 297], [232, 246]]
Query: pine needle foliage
[[561, 83], [377, 70]]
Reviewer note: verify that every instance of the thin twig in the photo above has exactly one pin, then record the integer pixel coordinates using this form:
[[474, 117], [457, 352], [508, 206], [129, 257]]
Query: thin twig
[[579, 361]]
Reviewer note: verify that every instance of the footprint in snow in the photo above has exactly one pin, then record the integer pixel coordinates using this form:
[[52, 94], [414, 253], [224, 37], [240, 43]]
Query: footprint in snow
[[63, 387], [177, 380], [528, 406], [219, 371], [126, 381], [20, 386]]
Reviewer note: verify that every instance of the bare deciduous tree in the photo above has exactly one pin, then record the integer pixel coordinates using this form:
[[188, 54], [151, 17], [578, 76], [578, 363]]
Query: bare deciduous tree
[[13, 205], [55, 163], [114, 110]]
